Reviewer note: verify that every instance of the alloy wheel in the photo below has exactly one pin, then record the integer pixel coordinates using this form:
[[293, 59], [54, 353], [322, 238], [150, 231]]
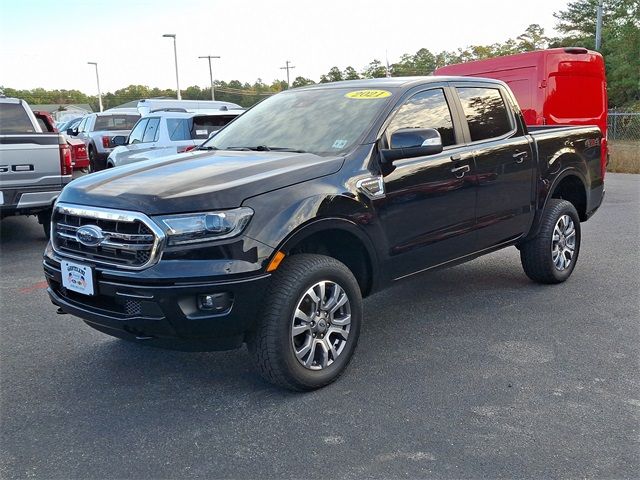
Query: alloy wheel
[[563, 244]]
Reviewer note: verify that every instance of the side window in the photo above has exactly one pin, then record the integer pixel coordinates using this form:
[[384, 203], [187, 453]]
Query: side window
[[138, 132], [486, 112], [150, 133], [179, 129], [428, 109]]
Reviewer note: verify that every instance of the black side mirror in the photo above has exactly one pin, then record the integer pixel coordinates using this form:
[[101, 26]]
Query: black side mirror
[[118, 140], [72, 132], [413, 142]]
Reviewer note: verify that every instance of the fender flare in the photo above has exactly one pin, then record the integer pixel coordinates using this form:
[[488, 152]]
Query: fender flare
[[314, 226], [567, 172]]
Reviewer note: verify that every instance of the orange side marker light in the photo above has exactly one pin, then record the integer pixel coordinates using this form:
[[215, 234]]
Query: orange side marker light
[[275, 261]]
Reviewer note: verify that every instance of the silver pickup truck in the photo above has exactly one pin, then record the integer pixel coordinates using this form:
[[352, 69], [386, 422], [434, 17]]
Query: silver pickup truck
[[34, 165]]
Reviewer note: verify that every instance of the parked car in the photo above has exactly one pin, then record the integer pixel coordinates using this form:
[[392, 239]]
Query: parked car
[[148, 105], [273, 231], [34, 165], [96, 130], [45, 121], [164, 133], [558, 86], [68, 125]]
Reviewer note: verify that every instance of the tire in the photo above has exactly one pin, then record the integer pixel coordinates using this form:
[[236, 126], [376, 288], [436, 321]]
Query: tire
[[92, 160], [45, 220], [273, 343], [548, 258]]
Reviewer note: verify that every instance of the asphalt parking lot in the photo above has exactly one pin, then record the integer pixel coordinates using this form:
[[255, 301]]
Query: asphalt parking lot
[[463, 373]]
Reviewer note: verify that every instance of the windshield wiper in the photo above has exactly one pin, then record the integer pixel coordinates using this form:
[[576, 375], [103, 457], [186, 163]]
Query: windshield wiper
[[206, 147], [264, 148]]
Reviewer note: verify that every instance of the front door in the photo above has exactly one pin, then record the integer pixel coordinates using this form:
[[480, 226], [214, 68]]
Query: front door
[[428, 212]]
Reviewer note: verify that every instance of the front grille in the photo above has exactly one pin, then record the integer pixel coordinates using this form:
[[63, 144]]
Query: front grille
[[130, 240]]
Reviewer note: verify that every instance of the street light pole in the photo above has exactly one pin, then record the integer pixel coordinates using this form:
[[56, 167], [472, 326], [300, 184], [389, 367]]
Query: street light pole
[[95, 64], [599, 26], [287, 67], [175, 53], [209, 57]]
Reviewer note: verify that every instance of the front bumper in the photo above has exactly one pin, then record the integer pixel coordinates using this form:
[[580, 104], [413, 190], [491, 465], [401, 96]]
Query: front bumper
[[162, 313]]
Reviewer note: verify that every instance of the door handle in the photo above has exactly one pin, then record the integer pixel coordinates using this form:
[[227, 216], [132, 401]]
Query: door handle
[[460, 171], [519, 156], [456, 157]]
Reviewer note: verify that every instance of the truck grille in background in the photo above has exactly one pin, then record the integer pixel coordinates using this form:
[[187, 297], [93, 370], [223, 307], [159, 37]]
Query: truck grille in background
[[130, 240]]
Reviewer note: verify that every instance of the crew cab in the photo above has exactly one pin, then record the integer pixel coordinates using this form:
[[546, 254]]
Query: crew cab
[[273, 231], [34, 165]]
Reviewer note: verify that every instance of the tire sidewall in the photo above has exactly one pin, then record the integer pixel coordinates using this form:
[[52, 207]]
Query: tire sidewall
[[566, 209], [314, 378]]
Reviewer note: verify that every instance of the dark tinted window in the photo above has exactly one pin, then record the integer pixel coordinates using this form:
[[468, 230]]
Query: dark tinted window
[[14, 119], [150, 134], [204, 125], [486, 112], [138, 132], [115, 122], [426, 110], [179, 129]]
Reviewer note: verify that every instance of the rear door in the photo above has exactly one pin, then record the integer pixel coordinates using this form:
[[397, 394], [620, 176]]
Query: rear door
[[428, 212], [504, 163]]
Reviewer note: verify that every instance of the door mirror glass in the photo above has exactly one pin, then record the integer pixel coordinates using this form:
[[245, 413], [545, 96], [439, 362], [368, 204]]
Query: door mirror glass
[[413, 142], [119, 140]]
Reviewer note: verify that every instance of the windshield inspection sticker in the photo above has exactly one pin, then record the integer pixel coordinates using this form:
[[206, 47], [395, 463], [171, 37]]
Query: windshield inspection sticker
[[339, 144], [368, 94]]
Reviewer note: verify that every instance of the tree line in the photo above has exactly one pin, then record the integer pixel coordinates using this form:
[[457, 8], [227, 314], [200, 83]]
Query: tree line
[[576, 26]]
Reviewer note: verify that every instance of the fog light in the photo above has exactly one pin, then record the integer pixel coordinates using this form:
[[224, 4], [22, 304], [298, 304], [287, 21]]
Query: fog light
[[215, 302]]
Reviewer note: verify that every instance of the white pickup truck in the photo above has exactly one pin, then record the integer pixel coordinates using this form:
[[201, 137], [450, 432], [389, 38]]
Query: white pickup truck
[[34, 165]]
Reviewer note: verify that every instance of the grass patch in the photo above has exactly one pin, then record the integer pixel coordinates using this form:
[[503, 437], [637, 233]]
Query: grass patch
[[624, 156]]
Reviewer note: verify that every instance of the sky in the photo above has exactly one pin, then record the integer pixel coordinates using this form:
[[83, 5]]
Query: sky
[[48, 43]]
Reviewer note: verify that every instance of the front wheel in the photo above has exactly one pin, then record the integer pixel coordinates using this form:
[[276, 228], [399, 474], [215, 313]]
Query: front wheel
[[310, 323], [551, 256]]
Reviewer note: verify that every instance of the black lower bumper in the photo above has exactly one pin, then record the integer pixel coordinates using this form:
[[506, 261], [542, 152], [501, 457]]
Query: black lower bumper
[[164, 314]]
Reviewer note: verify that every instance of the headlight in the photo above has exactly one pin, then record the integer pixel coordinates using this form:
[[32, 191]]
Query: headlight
[[205, 227]]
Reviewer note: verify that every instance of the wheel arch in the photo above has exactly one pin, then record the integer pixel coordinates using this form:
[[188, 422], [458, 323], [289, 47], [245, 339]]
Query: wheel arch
[[341, 239]]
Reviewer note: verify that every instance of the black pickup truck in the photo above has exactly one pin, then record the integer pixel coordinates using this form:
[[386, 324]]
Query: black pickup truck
[[276, 228]]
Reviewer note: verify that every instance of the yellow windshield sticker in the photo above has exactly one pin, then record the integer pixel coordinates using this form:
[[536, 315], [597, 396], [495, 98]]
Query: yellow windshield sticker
[[368, 94]]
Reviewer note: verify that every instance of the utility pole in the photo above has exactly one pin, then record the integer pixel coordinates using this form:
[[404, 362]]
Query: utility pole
[[287, 67], [95, 64], [599, 26], [175, 54], [209, 57]]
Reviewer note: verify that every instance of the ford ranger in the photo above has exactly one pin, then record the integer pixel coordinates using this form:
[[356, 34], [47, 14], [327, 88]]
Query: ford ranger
[[273, 231]]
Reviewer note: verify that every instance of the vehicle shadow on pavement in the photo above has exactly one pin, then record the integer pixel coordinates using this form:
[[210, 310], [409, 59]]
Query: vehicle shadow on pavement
[[430, 301]]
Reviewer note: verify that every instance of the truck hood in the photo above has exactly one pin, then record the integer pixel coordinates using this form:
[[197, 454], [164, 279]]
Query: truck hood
[[196, 181]]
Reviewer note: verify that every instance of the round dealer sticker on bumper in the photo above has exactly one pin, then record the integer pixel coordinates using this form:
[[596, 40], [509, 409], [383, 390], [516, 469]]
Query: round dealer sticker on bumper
[[368, 94]]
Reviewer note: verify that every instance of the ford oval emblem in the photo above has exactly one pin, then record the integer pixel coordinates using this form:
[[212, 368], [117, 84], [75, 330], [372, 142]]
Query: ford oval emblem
[[90, 235]]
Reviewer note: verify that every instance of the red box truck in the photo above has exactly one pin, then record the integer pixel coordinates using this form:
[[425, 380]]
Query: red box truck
[[558, 86]]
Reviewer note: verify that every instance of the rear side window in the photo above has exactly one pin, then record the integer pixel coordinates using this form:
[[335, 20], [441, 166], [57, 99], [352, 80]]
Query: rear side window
[[179, 129], [428, 109], [14, 119], [486, 112], [204, 125], [151, 132], [115, 122]]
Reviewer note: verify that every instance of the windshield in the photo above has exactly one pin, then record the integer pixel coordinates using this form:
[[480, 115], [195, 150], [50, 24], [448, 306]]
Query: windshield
[[324, 121]]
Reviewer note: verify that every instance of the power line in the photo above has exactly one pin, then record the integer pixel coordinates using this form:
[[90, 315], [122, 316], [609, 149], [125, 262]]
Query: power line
[[287, 67]]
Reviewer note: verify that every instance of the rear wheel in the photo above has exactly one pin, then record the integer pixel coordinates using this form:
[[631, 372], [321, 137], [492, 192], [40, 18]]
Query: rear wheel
[[551, 256], [93, 167], [310, 323]]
